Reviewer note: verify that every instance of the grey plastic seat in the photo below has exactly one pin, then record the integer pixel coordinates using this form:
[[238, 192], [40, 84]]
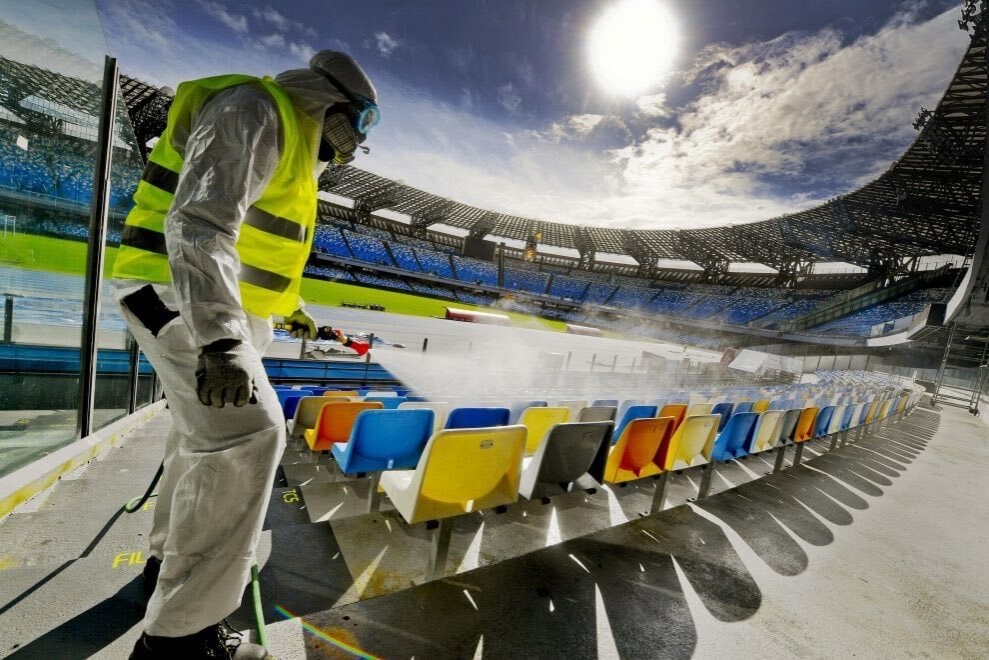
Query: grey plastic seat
[[788, 425], [597, 414], [570, 454]]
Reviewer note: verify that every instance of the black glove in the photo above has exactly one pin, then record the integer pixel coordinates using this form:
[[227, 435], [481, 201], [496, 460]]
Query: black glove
[[225, 374]]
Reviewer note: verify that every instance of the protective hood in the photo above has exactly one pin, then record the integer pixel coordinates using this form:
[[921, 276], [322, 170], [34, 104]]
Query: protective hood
[[313, 93]]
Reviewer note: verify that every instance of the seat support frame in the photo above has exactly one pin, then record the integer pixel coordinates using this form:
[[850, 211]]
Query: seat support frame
[[440, 546], [659, 496]]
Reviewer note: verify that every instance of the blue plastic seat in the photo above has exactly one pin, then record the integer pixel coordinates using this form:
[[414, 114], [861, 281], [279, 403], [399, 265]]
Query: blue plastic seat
[[475, 418], [632, 412], [385, 440], [823, 421], [389, 402], [846, 421], [744, 406], [733, 440], [725, 410]]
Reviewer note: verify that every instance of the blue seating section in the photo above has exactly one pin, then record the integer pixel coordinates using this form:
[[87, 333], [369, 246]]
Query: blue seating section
[[599, 292], [568, 288], [435, 263], [367, 248], [475, 271], [523, 280], [631, 297], [405, 258]]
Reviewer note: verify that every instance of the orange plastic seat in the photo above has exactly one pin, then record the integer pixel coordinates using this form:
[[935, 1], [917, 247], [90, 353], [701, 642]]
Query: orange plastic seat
[[636, 453], [678, 411], [805, 425], [336, 420]]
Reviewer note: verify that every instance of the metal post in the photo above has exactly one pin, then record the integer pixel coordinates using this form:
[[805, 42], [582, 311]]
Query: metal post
[[614, 364], [96, 251], [944, 360], [797, 454], [374, 497], [659, 496], [439, 549], [8, 319], [705, 484], [780, 459], [133, 372], [425, 344], [367, 359]]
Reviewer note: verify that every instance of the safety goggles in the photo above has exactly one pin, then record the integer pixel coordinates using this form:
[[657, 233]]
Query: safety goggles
[[364, 114]]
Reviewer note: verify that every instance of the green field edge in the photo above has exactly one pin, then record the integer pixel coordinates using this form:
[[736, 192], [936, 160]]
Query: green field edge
[[57, 255]]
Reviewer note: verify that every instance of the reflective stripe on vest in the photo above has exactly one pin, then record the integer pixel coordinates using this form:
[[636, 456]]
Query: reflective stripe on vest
[[277, 230]]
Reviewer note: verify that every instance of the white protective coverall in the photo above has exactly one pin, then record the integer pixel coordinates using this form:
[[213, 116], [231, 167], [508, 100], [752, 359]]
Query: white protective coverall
[[219, 462]]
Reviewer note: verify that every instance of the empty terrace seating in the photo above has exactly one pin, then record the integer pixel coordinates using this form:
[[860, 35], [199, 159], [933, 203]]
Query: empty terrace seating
[[525, 280], [367, 248], [381, 280], [631, 297], [329, 240], [405, 258], [329, 273], [475, 271], [568, 288], [435, 263], [599, 292]]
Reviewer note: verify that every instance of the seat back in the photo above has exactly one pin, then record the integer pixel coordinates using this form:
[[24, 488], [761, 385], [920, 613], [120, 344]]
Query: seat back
[[336, 420], [849, 414], [604, 402], [693, 442], [474, 418], [389, 402], [762, 405], [823, 421], [724, 409], [743, 406], [573, 405], [870, 415], [538, 421], [675, 410], [634, 455], [733, 441], [291, 404], [469, 469], [306, 415], [788, 425], [806, 424], [625, 405], [836, 418], [767, 431], [516, 409], [567, 453], [386, 440], [632, 412], [597, 414], [347, 393], [884, 409], [440, 410]]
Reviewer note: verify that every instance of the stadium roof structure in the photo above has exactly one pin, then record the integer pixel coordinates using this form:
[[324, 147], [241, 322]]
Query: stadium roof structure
[[927, 203]]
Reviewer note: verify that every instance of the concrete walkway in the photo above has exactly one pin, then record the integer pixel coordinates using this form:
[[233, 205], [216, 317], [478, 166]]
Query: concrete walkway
[[875, 550]]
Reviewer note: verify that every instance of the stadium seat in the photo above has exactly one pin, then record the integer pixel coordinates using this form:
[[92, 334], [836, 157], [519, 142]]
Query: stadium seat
[[306, 416], [762, 405], [384, 440], [635, 453], [723, 409], [571, 455], [696, 442], [675, 410], [732, 442], [518, 407], [573, 405], [788, 430], [461, 470], [477, 417], [597, 414], [538, 421], [440, 410], [743, 406], [632, 412], [767, 432], [347, 393], [290, 403], [389, 402], [604, 402], [336, 419]]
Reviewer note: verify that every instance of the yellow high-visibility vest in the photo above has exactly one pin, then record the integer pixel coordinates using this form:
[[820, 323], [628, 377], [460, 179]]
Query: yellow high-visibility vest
[[277, 230]]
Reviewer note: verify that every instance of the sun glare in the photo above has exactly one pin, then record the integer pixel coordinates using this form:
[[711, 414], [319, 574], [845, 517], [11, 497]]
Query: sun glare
[[632, 46]]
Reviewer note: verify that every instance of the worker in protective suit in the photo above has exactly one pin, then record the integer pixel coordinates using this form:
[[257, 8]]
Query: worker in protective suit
[[215, 246]]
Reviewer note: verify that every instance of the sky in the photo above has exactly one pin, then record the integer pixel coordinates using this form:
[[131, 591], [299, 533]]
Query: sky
[[766, 106]]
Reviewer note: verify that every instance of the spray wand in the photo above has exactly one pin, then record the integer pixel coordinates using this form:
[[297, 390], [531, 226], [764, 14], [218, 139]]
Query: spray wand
[[327, 333]]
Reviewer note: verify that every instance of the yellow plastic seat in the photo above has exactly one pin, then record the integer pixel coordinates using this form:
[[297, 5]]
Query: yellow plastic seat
[[805, 425], [767, 431], [635, 454], [695, 442], [336, 419], [762, 405], [538, 421], [461, 470], [870, 415], [884, 409]]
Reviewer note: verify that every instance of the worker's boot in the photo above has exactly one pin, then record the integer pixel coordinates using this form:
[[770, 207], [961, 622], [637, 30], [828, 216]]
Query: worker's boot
[[219, 641]]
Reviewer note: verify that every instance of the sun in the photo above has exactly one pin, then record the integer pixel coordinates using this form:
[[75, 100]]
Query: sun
[[632, 46]]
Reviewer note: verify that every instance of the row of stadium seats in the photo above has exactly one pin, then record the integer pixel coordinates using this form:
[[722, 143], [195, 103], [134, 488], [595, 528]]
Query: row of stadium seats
[[534, 450]]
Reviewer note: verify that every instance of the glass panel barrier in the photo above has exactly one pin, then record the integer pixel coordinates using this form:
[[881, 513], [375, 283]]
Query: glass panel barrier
[[51, 71]]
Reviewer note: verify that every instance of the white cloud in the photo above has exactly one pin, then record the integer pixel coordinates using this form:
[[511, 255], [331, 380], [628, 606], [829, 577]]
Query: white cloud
[[301, 50], [236, 22], [272, 17], [385, 43], [273, 40], [584, 124], [508, 98], [653, 106]]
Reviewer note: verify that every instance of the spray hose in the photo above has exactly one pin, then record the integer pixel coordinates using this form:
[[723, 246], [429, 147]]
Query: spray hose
[[326, 333], [137, 502]]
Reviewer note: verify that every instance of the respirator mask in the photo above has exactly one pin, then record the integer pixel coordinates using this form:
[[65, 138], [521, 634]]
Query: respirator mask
[[346, 126]]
